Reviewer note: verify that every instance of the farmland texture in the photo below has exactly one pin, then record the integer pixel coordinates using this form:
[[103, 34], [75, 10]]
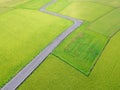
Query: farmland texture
[[55, 74], [83, 47], [91, 49], [89, 58], [23, 35]]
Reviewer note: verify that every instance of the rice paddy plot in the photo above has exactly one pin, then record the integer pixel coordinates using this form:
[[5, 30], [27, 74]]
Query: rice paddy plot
[[81, 49], [59, 5]]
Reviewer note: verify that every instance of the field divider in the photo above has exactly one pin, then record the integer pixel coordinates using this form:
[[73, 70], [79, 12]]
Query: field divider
[[16, 81]]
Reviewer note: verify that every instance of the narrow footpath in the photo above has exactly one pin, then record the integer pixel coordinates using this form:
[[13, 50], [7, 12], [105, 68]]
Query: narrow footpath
[[25, 72]]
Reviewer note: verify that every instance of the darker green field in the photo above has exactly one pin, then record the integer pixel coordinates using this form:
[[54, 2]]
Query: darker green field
[[81, 49]]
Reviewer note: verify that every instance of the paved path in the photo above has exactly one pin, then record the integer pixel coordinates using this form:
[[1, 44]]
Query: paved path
[[25, 72]]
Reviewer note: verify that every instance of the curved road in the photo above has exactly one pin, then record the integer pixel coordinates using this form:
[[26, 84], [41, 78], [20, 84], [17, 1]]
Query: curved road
[[25, 72]]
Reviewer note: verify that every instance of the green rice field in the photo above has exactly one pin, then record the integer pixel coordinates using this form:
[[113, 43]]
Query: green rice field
[[84, 44], [88, 59]]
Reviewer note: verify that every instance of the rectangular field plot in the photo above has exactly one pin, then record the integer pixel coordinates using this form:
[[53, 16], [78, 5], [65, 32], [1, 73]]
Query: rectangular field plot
[[108, 24], [23, 34], [81, 49], [86, 10]]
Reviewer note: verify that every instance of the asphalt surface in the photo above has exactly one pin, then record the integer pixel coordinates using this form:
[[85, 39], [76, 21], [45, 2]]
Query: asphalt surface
[[25, 72]]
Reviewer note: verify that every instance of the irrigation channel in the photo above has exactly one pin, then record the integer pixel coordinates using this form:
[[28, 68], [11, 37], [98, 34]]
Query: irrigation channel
[[28, 69]]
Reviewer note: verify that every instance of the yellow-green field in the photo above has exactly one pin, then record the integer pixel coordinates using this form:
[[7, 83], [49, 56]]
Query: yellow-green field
[[88, 59], [81, 49]]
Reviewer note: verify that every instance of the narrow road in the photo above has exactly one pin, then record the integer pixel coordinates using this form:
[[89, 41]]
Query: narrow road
[[25, 72]]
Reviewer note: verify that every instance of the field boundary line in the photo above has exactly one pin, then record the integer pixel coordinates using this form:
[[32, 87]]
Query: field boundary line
[[16, 81], [108, 41], [107, 13], [69, 64]]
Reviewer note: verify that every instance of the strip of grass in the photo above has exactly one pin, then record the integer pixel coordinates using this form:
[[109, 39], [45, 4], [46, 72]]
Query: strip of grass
[[107, 25], [23, 34], [54, 74]]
